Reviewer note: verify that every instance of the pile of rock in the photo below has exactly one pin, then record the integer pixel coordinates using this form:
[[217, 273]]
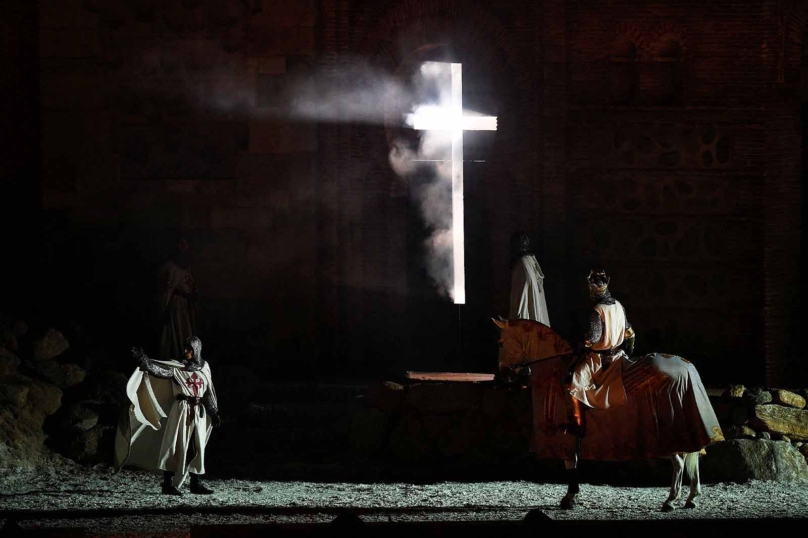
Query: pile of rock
[[52, 400], [766, 431]]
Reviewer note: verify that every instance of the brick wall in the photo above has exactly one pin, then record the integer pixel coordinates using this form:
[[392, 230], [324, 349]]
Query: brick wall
[[682, 175], [387, 315], [19, 140], [656, 138], [156, 119]]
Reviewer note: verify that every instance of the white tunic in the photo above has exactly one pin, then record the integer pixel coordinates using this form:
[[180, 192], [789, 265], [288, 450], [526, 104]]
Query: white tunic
[[145, 439], [591, 384], [187, 424], [614, 326], [527, 291]]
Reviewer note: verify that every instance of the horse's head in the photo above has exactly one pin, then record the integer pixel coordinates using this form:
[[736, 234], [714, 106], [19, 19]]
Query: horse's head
[[523, 340], [513, 335]]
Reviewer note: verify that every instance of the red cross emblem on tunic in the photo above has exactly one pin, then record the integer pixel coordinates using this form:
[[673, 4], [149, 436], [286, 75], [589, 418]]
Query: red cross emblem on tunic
[[195, 383]]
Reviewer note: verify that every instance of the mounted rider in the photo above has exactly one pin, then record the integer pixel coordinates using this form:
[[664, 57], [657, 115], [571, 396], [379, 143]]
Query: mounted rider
[[595, 380]]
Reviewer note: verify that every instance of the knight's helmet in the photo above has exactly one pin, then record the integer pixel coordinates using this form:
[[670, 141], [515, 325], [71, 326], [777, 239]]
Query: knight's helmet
[[196, 344], [598, 283]]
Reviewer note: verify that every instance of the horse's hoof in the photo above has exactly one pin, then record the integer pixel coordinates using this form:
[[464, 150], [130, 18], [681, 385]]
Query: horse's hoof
[[668, 507], [568, 503], [690, 504]]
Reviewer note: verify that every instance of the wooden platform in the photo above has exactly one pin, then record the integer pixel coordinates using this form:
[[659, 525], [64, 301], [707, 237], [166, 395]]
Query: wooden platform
[[449, 376]]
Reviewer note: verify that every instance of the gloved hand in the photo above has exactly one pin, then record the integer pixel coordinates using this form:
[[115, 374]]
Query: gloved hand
[[216, 420]]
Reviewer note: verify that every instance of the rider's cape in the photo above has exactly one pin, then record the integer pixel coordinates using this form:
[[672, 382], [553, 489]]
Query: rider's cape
[[141, 427]]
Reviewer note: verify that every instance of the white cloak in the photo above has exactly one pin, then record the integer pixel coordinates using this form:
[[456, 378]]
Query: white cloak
[[141, 441], [527, 291]]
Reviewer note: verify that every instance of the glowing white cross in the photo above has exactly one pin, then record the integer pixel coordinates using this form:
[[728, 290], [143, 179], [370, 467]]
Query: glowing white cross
[[451, 118]]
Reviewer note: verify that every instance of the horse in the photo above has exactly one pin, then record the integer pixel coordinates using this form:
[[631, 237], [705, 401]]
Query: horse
[[667, 412]]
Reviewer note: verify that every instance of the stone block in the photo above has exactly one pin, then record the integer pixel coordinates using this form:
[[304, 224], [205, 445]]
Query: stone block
[[240, 218], [758, 396], [735, 391], [286, 13], [8, 363], [779, 419], [739, 413], [83, 445], [787, 398], [408, 442], [280, 41], [734, 431], [59, 13], [274, 137], [61, 375], [14, 394], [495, 401], [44, 398], [179, 151], [369, 430], [108, 387], [739, 460], [50, 345], [443, 398], [67, 43], [274, 65], [75, 87], [76, 418], [387, 397]]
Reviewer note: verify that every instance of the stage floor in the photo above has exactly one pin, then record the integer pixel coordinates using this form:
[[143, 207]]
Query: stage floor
[[130, 503]]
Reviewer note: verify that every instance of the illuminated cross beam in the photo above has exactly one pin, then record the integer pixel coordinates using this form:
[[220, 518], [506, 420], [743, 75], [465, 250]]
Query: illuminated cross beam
[[449, 117]]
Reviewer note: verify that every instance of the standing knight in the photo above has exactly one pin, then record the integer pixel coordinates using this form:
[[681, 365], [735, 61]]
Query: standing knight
[[183, 393]]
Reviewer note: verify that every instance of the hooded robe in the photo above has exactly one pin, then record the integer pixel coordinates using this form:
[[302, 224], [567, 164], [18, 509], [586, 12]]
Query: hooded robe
[[176, 310], [527, 291]]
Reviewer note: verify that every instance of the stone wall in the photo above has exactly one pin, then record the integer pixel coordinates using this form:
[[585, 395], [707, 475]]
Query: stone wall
[[468, 429], [679, 173], [445, 429], [766, 431], [156, 121], [656, 139]]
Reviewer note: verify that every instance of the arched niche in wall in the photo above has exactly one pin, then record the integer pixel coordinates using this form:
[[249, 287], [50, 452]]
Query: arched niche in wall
[[623, 71], [661, 77]]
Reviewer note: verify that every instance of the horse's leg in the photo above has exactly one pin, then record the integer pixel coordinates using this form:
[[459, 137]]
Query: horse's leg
[[676, 482], [570, 500], [692, 466]]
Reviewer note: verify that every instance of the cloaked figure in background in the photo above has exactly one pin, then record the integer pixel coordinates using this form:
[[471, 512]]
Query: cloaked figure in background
[[177, 298], [527, 282]]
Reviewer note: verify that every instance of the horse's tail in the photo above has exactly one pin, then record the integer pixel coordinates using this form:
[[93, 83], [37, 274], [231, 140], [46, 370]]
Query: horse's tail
[[692, 463]]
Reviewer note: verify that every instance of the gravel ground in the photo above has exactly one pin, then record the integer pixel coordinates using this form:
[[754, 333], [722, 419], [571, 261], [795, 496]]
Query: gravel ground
[[106, 503]]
